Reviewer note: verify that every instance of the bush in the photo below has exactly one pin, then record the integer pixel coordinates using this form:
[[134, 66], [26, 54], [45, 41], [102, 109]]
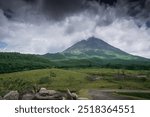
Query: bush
[[143, 79], [52, 74], [44, 80], [120, 87]]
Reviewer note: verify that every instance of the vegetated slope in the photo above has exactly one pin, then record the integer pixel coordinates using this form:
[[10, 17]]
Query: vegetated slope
[[75, 79], [11, 62], [94, 47], [94, 52]]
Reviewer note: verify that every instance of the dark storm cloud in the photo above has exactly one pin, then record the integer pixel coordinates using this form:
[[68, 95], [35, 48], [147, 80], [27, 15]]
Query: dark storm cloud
[[31, 1], [10, 4], [53, 9], [10, 7], [107, 2], [57, 10], [61, 8]]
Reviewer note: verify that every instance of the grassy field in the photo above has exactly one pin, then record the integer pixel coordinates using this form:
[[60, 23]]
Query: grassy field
[[136, 94], [78, 80]]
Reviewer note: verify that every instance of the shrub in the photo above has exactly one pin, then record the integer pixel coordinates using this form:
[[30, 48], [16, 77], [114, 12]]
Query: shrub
[[120, 87], [52, 74], [44, 80], [143, 79]]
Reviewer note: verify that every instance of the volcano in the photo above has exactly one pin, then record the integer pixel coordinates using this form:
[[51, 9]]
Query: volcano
[[94, 52], [93, 48]]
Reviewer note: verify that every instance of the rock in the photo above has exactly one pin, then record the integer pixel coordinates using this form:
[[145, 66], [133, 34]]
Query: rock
[[47, 97], [75, 96], [28, 97], [82, 98], [43, 90], [12, 95], [63, 98], [71, 96], [52, 92], [1, 98], [45, 94]]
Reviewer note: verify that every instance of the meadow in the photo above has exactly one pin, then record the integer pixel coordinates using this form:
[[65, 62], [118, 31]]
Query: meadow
[[79, 80]]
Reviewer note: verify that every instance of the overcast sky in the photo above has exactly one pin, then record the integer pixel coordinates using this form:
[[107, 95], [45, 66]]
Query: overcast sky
[[49, 26]]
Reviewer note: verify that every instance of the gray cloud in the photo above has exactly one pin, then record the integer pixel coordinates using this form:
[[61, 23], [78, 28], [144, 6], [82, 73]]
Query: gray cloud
[[59, 9], [41, 26], [53, 9]]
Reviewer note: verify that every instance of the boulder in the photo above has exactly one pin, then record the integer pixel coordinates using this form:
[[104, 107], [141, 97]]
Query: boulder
[[71, 96], [43, 91], [82, 98], [12, 95], [45, 94], [53, 92], [28, 96], [55, 97], [75, 96]]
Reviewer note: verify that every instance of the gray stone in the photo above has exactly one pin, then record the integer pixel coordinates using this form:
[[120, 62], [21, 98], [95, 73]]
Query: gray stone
[[28, 97], [82, 98], [75, 96], [53, 92], [71, 96], [12, 95], [45, 94], [53, 97], [63, 98]]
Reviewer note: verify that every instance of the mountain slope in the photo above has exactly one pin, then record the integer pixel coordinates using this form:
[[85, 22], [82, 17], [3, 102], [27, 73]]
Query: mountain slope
[[94, 47], [91, 44], [94, 52]]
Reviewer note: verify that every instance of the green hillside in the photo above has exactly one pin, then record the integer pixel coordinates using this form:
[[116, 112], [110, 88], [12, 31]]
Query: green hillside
[[103, 63], [12, 62]]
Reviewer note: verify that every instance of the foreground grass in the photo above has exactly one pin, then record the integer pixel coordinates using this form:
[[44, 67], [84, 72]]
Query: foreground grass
[[79, 80], [136, 94], [84, 93]]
